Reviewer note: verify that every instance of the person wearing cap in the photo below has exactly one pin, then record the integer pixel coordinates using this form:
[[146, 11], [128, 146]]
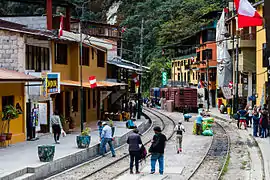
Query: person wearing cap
[[157, 150], [134, 141], [106, 137], [179, 129]]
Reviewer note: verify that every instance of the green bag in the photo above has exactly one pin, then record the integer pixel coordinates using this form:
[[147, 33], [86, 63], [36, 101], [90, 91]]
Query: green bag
[[208, 132]]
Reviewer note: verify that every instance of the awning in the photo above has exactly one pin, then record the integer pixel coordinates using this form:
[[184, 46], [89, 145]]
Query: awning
[[9, 75], [87, 85]]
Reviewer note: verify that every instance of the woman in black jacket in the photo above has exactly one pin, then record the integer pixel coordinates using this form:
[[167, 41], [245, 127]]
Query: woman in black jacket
[[264, 123]]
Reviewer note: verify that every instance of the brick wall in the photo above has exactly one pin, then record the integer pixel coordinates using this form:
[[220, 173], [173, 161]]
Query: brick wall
[[12, 51]]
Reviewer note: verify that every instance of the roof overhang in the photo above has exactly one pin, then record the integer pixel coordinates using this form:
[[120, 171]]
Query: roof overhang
[[9, 76], [87, 85]]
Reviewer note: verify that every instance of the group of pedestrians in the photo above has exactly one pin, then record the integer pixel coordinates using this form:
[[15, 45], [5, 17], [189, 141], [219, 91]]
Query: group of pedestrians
[[136, 150], [256, 116]]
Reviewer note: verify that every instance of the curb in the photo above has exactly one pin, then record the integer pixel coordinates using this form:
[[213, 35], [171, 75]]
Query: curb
[[71, 160], [254, 139]]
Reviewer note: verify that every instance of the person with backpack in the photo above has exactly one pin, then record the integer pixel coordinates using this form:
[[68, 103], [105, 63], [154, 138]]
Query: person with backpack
[[242, 113], [157, 150], [179, 129], [134, 141]]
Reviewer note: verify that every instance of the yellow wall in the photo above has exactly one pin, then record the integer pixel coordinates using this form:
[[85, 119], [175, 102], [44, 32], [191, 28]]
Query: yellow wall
[[261, 77], [182, 69], [17, 126], [71, 71]]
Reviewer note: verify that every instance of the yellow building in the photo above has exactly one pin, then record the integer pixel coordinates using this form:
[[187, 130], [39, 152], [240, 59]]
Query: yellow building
[[12, 92], [261, 75], [66, 60], [184, 70]]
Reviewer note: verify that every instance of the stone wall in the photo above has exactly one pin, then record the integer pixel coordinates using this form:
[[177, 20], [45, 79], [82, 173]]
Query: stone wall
[[12, 51]]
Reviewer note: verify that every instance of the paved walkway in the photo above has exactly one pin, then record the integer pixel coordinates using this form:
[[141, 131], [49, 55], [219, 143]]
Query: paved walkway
[[22, 155], [177, 166], [264, 143]]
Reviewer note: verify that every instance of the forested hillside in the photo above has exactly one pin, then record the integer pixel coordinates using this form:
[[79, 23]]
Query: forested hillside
[[166, 21]]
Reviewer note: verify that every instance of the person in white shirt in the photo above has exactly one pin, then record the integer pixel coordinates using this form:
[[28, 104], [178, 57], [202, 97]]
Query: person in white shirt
[[106, 137], [250, 114], [179, 129]]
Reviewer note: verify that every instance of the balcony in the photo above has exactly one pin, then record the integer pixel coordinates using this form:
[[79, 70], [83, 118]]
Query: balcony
[[247, 60], [247, 41]]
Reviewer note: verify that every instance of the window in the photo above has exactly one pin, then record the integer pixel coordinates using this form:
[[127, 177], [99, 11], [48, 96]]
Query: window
[[178, 63], [209, 35], [93, 53], [75, 100], [207, 54], [6, 101], [61, 53], [94, 98], [85, 56], [100, 58], [178, 76], [198, 56], [89, 99], [37, 58], [193, 75]]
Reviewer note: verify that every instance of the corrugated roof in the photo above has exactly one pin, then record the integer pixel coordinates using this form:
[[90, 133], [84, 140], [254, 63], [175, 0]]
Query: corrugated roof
[[10, 26], [9, 75]]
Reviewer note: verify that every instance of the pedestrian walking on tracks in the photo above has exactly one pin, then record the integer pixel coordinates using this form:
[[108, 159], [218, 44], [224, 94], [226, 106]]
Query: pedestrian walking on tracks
[[56, 126], [157, 150], [199, 123], [106, 137], [243, 116], [134, 141], [179, 129]]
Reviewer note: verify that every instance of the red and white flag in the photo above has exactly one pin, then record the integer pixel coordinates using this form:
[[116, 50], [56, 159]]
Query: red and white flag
[[135, 78], [230, 85], [93, 81], [247, 14], [60, 33], [123, 29]]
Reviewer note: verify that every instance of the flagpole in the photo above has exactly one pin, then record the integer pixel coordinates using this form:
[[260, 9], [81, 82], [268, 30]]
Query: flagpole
[[140, 86]]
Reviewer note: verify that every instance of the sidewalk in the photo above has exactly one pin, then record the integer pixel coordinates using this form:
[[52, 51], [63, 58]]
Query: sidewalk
[[24, 155], [263, 143]]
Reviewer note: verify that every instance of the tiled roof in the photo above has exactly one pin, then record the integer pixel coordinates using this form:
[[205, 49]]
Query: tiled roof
[[9, 75], [10, 26]]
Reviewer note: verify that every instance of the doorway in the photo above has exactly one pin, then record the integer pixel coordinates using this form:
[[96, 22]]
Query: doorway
[[67, 104]]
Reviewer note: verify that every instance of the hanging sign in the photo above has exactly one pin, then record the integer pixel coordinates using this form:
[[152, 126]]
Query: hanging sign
[[51, 83], [164, 78]]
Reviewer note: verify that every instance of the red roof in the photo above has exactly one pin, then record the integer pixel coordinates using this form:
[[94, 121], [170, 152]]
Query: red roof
[[9, 75]]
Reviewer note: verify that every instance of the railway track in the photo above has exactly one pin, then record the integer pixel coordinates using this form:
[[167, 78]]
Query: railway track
[[110, 168], [212, 165]]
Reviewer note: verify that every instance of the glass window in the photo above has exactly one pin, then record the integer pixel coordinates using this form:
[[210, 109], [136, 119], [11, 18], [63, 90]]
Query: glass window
[[6, 101], [100, 58], [37, 58], [61, 53], [85, 56]]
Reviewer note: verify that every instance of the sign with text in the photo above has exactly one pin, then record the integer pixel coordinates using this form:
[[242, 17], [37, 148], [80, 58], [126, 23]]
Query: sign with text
[[164, 78], [51, 84]]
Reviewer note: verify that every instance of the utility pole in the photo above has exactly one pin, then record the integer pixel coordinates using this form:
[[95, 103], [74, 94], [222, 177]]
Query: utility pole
[[141, 58], [236, 73], [208, 96], [81, 86], [267, 26]]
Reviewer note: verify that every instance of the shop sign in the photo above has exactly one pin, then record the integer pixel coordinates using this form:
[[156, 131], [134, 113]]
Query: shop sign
[[51, 84]]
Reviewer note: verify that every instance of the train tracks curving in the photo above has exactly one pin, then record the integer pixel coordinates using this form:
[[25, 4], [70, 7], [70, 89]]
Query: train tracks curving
[[212, 165], [110, 168]]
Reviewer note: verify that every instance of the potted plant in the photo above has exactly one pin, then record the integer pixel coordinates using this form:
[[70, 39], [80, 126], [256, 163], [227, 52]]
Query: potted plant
[[112, 126], [46, 153], [83, 140], [9, 113], [64, 123]]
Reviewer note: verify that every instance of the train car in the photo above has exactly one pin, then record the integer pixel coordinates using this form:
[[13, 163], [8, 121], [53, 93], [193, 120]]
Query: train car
[[184, 97], [164, 93]]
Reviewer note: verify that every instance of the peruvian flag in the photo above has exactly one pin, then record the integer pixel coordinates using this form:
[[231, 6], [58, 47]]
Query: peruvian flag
[[247, 14], [230, 84], [60, 33], [135, 78], [123, 29], [93, 81]]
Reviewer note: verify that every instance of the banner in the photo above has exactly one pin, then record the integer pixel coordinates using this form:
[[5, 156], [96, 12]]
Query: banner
[[224, 63]]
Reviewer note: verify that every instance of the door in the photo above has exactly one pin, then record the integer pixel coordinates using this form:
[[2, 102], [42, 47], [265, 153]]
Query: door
[[67, 104], [84, 105]]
